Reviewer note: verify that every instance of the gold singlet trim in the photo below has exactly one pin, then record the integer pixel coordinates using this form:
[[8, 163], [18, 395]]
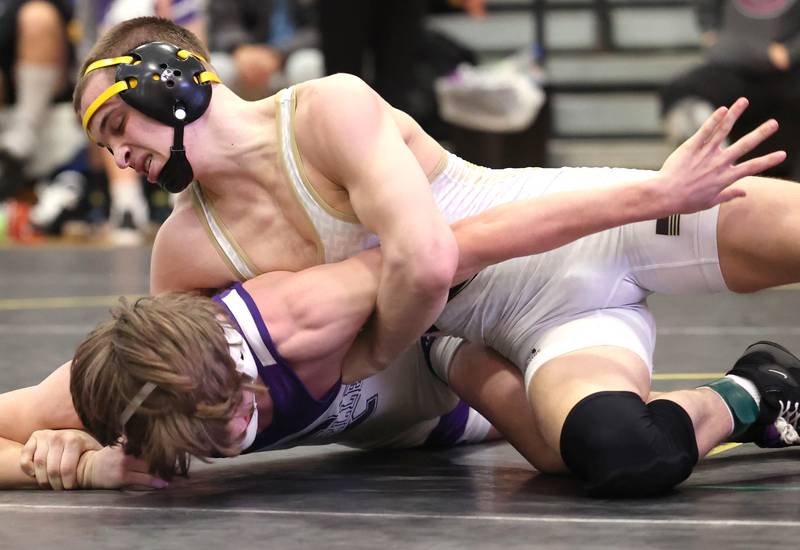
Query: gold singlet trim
[[229, 250], [301, 171], [440, 166], [287, 172]]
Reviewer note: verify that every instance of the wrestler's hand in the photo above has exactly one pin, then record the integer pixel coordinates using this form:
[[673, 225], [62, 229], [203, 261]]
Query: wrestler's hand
[[51, 456], [111, 468], [698, 174]]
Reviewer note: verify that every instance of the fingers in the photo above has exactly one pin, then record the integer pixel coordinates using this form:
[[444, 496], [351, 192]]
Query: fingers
[[52, 457], [53, 467], [703, 135], [40, 464], [144, 480], [69, 464], [137, 475], [758, 164], [724, 127], [751, 140], [729, 194], [26, 457]]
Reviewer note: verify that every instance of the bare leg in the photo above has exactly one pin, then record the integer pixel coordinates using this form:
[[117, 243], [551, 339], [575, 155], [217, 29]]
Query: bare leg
[[495, 388], [40, 71], [562, 383], [758, 235], [710, 415]]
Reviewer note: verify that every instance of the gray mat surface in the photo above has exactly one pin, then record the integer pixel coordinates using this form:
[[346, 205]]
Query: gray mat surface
[[479, 497]]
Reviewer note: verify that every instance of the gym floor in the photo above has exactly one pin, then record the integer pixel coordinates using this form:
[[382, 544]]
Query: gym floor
[[332, 497]]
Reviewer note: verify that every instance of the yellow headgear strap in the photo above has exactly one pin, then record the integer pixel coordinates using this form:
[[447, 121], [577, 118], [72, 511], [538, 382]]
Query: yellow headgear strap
[[122, 85]]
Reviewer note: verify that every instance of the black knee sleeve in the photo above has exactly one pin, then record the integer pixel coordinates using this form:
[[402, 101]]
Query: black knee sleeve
[[621, 447]]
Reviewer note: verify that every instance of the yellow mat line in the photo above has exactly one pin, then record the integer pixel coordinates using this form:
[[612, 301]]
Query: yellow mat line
[[63, 302], [719, 449]]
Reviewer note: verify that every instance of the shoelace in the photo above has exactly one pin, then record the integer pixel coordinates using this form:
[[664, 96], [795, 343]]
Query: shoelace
[[786, 424]]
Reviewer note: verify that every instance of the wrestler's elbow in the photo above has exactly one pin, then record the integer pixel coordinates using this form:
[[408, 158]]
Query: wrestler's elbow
[[429, 269]]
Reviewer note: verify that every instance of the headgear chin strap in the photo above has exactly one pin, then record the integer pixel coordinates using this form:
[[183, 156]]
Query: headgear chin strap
[[167, 84]]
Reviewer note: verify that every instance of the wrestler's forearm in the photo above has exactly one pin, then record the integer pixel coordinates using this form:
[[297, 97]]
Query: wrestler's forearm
[[410, 298], [48, 405], [533, 226]]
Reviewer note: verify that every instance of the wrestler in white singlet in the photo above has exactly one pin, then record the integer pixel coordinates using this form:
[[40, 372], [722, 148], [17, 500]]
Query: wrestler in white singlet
[[588, 293]]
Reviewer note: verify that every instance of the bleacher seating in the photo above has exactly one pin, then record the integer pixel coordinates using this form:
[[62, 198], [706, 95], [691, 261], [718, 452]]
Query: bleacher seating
[[604, 59]]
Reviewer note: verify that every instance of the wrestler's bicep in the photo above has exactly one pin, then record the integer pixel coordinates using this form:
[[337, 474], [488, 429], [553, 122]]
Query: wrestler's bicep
[[317, 312]]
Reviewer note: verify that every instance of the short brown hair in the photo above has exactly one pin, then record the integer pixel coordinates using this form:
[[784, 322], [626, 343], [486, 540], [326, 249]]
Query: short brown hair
[[177, 342], [129, 34]]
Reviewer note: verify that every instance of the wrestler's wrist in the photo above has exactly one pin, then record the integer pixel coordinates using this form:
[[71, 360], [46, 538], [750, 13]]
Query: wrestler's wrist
[[654, 197], [83, 473]]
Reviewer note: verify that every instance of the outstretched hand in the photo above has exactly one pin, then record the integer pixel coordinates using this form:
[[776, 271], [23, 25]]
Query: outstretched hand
[[699, 173]]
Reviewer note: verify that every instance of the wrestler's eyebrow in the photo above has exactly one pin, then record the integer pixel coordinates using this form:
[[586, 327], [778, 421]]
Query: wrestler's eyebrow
[[103, 122]]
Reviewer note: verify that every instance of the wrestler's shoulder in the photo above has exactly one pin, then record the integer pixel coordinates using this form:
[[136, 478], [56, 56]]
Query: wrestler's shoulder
[[333, 86], [335, 95]]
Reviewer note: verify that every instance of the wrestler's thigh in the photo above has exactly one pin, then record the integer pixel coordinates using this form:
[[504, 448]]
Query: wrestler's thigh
[[757, 236], [495, 388], [562, 382]]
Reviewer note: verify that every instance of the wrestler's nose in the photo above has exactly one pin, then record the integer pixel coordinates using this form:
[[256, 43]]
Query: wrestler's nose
[[122, 156]]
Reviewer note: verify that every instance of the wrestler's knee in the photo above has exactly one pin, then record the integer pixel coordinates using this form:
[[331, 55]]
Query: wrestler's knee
[[621, 447]]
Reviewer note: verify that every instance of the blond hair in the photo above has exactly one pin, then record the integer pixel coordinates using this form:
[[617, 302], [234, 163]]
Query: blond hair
[[177, 342], [123, 37]]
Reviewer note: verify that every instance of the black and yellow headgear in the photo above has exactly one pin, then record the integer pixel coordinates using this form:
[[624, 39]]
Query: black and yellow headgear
[[166, 83]]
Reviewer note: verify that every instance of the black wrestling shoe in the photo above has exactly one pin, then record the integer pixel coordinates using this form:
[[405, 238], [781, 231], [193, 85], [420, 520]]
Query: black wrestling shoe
[[775, 371]]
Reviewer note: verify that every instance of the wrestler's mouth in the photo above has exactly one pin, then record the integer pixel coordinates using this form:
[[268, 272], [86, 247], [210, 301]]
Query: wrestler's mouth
[[148, 169]]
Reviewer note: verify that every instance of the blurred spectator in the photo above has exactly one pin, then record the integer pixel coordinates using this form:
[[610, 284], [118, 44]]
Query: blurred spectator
[[259, 46], [128, 213], [753, 51], [37, 133], [385, 43], [391, 30]]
